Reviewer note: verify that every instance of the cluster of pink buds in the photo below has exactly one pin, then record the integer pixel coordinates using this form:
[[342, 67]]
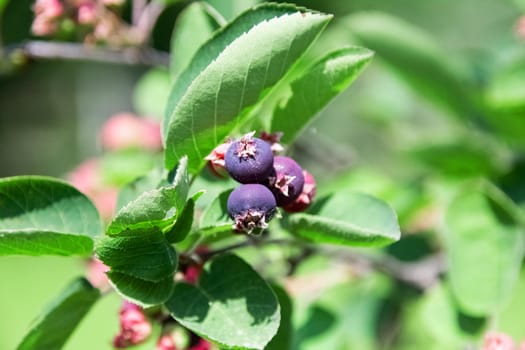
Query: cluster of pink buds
[[135, 327], [47, 16], [500, 341], [127, 130], [94, 20]]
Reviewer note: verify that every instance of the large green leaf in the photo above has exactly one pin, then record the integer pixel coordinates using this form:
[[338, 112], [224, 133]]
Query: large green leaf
[[312, 90], [142, 264], [229, 73], [416, 56], [194, 26], [143, 254], [347, 218], [40, 215], [231, 305], [159, 207], [283, 338], [485, 244], [58, 321], [141, 292]]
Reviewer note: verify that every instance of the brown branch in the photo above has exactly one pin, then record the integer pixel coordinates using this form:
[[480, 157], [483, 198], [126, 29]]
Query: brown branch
[[73, 51]]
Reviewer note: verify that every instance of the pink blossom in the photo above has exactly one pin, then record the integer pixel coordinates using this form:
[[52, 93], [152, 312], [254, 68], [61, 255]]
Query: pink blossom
[[49, 9], [215, 159], [87, 12], [497, 341], [126, 130], [96, 274], [106, 202], [87, 177], [203, 344], [43, 26], [166, 342], [134, 326]]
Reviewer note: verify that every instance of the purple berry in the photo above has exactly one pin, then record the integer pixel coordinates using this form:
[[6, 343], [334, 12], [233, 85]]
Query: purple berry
[[249, 160], [286, 181], [251, 206]]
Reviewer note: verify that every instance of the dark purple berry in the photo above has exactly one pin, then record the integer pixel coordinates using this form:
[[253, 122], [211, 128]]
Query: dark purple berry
[[251, 206], [286, 181], [249, 160]]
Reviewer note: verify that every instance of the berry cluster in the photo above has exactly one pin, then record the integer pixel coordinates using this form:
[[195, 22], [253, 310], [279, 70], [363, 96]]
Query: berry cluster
[[267, 181]]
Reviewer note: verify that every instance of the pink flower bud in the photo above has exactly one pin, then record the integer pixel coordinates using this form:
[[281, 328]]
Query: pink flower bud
[[49, 9], [166, 342], [87, 13], [43, 26], [134, 326], [87, 177], [215, 160], [203, 344], [306, 197], [192, 273], [126, 130], [96, 274], [498, 341]]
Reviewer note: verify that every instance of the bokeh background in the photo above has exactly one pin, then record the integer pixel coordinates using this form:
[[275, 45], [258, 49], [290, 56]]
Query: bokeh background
[[387, 134]]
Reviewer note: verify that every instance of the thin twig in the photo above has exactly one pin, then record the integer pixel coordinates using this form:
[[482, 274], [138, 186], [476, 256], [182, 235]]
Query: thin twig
[[73, 51]]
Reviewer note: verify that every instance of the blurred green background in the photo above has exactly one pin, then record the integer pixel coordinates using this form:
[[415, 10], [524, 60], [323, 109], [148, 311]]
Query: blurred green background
[[386, 135]]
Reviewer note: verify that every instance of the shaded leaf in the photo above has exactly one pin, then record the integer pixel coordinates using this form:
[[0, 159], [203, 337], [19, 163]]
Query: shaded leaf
[[144, 254], [347, 218], [231, 305], [184, 223], [283, 338], [194, 26], [485, 245], [41, 215], [215, 218], [315, 88], [141, 292], [58, 321], [229, 73]]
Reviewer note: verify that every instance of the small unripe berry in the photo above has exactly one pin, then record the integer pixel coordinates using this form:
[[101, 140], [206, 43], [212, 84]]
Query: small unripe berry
[[306, 197], [249, 160], [286, 181], [251, 206], [215, 159]]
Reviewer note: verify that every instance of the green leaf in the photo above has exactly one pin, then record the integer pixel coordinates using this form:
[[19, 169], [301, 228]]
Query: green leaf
[[418, 59], [58, 321], [231, 305], [485, 245], [184, 223], [142, 264], [215, 218], [143, 254], [155, 208], [315, 88], [41, 215], [141, 292], [229, 73], [151, 93], [283, 339], [347, 218], [506, 90], [194, 26]]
